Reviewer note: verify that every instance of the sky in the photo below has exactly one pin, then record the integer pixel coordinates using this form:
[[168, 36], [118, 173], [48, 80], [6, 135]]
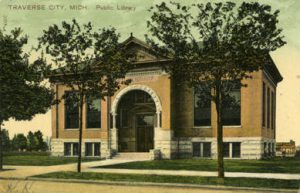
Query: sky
[[105, 13]]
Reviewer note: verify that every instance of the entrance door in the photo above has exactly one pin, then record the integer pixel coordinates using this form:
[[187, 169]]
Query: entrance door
[[144, 128]]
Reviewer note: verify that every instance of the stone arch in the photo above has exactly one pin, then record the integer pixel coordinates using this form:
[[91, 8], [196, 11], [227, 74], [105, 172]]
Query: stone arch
[[147, 89]]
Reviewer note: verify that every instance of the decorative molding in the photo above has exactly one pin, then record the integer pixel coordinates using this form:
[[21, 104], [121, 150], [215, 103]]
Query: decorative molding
[[145, 73], [147, 89]]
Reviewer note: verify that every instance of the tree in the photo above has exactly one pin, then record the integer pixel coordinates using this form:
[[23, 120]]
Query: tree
[[32, 142], [19, 142], [5, 140], [215, 44], [22, 92], [41, 144], [92, 63]]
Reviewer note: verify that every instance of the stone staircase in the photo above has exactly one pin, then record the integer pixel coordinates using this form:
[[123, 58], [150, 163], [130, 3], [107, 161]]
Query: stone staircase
[[139, 156]]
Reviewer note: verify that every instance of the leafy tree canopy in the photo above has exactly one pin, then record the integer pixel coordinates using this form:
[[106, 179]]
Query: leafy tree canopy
[[22, 92], [219, 40], [87, 60]]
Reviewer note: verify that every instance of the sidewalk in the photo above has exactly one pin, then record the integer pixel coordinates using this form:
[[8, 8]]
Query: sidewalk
[[195, 173], [21, 172]]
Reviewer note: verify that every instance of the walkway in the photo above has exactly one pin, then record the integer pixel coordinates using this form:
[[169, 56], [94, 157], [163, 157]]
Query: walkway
[[195, 173], [22, 172]]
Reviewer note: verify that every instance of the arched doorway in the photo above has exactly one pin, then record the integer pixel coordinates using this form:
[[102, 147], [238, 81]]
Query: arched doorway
[[136, 118]]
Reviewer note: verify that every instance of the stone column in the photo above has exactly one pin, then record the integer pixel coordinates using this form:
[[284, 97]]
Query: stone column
[[114, 135], [158, 119]]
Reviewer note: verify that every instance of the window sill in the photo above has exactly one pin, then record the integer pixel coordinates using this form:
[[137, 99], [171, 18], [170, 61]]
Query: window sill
[[70, 156], [196, 157], [232, 126], [202, 127], [92, 156], [92, 129], [71, 129]]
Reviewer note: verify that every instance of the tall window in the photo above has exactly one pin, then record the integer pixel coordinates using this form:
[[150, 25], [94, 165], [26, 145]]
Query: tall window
[[232, 105], [93, 112], [202, 106], [273, 110], [268, 108], [71, 110], [264, 105]]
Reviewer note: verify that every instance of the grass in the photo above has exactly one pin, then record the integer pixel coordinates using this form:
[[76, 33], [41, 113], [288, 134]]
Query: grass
[[38, 159], [238, 182], [278, 165]]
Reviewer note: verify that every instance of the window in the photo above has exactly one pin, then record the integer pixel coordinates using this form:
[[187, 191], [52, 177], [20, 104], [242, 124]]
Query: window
[[201, 149], [232, 149], [71, 149], [67, 149], [88, 149], [272, 149], [273, 110], [264, 105], [268, 108], [202, 106], [196, 149], [236, 149], [92, 149], [226, 149], [71, 110], [206, 149], [265, 149], [75, 149], [232, 104], [96, 149], [93, 112]]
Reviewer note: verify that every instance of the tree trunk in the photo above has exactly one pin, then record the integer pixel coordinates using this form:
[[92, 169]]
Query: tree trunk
[[218, 103], [80, 132], [1, 149]]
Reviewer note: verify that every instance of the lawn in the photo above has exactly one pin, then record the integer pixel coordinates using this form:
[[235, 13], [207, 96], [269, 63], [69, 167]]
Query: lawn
[[238, 182], [38, 159], [278, 165]]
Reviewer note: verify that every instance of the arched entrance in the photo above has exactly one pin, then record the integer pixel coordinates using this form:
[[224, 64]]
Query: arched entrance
[[136, 113], [135, 122]]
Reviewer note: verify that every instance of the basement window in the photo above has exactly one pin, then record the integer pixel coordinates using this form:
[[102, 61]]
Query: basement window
[[202, 149], [71, 149], [92, 149], [232, 149]]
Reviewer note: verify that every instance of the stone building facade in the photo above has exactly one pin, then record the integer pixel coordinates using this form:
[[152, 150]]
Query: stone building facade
[[155, 114]]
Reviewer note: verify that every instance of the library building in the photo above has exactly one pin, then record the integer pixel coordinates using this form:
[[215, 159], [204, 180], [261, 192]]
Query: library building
[[166, 120]]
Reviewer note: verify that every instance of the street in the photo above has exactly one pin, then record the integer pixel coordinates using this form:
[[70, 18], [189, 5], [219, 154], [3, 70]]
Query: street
[[29, 186]]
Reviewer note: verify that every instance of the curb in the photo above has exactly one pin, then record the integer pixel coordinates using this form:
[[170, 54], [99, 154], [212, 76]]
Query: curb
[[177, 185]]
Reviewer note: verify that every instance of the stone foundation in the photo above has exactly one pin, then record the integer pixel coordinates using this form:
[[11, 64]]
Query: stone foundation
[[176, 148], [57, 146], [251, 148]]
